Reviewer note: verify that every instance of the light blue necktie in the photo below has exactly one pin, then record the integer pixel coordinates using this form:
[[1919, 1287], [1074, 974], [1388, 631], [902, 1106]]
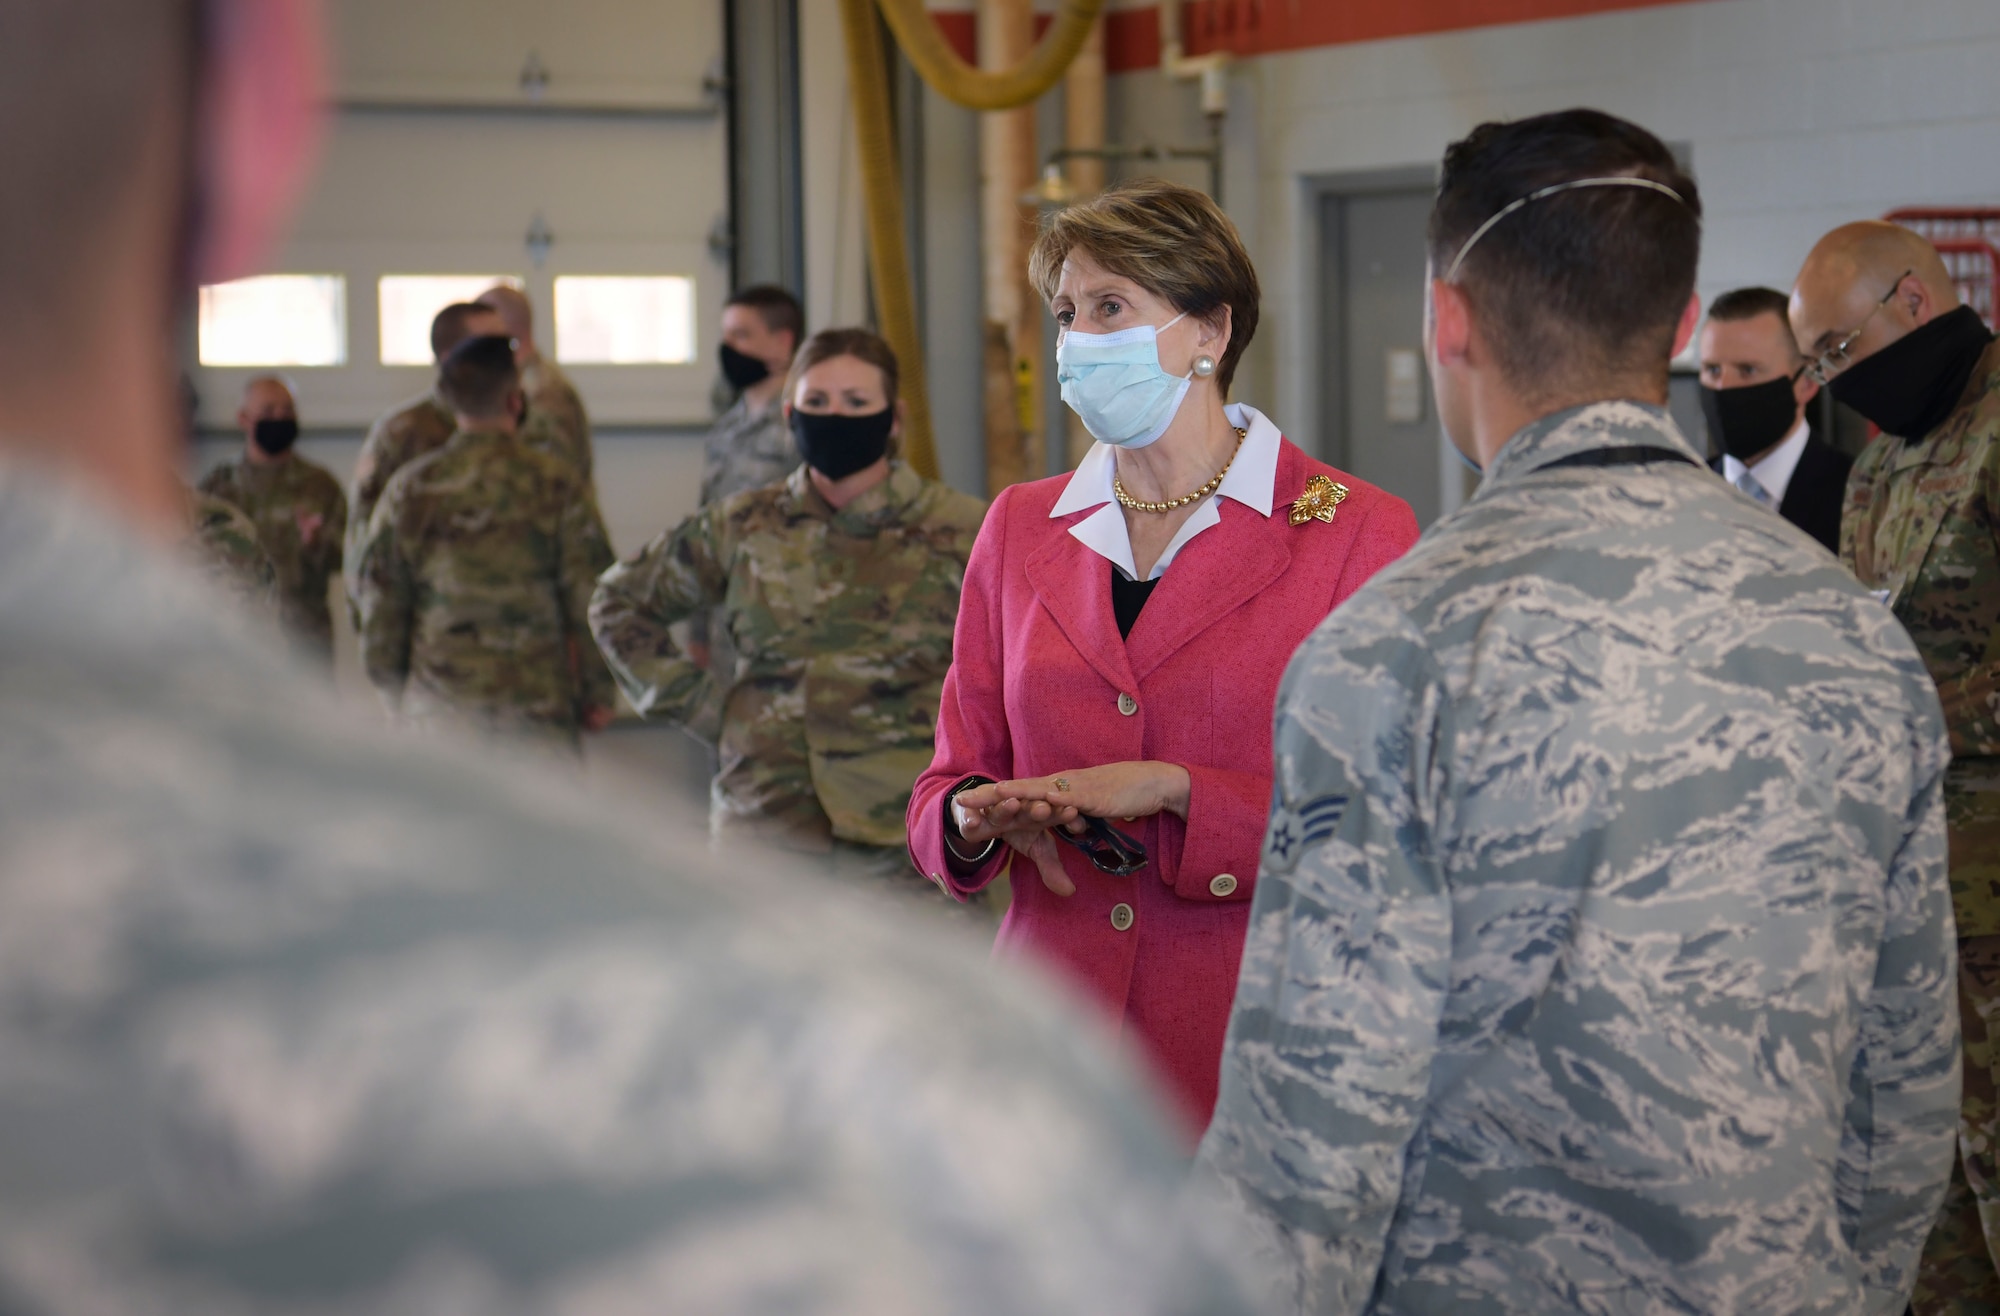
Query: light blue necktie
[[1748, 484]]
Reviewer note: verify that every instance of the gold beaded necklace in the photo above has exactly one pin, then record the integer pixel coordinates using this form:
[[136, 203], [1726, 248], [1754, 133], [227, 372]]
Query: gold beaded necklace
[[1141, 505]]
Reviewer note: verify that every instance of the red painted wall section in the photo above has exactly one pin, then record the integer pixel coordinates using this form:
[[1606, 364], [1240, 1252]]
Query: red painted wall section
[[1265, 27]]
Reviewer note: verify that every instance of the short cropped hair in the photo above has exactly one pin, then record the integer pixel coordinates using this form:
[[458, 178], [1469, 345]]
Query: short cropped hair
[[83, 85], [1749, 303], [479, 376], [1172, 241], [1581, 284], [450, 326], [860, 344], [778, 309]]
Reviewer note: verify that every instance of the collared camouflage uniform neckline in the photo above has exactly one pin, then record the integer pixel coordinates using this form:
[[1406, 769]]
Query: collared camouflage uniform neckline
[[1564, 434], [888, 504]]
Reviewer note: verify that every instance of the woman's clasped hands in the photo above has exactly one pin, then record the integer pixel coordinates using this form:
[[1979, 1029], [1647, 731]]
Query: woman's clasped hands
[[1022, 813]]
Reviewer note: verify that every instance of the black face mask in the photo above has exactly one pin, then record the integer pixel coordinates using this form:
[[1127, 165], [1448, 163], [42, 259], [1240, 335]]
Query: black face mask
[[838, 446], [742, 370], [1911, 386], [1747, 421], [274, 436]]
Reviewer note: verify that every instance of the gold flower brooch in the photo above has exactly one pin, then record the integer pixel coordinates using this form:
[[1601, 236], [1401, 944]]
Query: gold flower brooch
[[1319, 501]]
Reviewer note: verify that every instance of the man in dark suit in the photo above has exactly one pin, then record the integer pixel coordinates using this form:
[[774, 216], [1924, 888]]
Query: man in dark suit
[[1754, 392]]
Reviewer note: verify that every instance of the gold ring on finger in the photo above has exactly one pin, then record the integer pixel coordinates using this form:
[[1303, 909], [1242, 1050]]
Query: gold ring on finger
[[1062, 784]]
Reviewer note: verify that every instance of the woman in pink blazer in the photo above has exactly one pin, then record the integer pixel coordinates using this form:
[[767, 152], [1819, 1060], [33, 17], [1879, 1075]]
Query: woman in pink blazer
[[1122, 632]]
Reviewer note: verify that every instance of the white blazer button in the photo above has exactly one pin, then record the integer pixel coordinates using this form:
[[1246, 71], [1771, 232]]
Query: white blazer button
[[1222, 884], [1127, 704], [1121, 916]]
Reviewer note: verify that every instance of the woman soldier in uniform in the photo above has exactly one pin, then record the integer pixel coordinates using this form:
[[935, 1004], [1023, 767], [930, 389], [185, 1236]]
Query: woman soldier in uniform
[[838, 588]]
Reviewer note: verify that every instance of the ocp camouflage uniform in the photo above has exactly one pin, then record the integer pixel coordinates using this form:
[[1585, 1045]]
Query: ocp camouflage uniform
[[556, 423], [301, 519], [229, 553], [840, 626], [475, 577], [1922, 522], [419, 426], [1601, 957], [746, 450]]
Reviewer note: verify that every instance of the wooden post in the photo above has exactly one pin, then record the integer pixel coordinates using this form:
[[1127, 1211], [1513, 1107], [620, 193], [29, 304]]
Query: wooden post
[[1007, 169], [1083, 129]]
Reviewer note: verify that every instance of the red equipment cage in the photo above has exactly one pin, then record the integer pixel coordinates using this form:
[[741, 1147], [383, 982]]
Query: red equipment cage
[[1968, 237]]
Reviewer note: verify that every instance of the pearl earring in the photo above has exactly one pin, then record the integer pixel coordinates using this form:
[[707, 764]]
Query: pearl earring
[[1204, 366]]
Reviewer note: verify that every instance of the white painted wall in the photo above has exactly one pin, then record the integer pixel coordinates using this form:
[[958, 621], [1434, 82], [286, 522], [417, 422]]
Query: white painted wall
[[1801, 114]]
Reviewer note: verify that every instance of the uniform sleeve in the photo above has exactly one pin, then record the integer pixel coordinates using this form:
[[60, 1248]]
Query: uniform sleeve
[[973, 738], [371, 475], [1346, 964], [1227, 810], [332, 538], [1902, 1110], [384, 604], [586, 552], [638, 600]]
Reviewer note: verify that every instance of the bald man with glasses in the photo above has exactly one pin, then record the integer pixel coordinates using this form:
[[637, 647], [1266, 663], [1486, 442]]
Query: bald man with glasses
[[1880, 320]]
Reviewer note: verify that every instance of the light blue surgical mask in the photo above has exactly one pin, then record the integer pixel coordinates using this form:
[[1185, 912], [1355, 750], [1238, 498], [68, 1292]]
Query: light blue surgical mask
[[1116, 385]]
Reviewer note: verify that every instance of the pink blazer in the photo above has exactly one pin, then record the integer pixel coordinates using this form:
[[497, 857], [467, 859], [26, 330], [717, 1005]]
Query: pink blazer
[[1039, 684]]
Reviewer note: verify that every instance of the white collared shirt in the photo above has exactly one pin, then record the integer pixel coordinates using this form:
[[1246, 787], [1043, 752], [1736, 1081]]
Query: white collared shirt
[[1774, 472], [1252, 481]]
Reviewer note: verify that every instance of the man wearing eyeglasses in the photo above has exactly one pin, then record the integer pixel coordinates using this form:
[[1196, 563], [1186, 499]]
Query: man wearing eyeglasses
[[1879, 315]]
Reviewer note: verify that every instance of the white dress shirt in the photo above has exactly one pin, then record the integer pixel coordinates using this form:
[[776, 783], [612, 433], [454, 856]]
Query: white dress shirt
[[1774, 472], [1252, 481]]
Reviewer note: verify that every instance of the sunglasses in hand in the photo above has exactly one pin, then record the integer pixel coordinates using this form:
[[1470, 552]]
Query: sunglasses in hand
[[1109, 849]]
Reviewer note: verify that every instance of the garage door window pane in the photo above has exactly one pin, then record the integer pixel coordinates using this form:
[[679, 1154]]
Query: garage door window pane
[[274, 320], [624, 320], [409, 302]]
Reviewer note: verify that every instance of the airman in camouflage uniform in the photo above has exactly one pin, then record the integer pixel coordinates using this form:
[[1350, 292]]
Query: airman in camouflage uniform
[[474, 580], [1920, 526], [301, 519], [229, 552], [556, 422], [1601, 957], [840, 627], [748, 448], [294, 1019], [419, 426]]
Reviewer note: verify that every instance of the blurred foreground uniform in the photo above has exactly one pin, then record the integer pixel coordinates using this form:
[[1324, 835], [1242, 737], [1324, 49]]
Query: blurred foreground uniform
[[1601, 957], [420, 426], [474, 581], [301, 519], [839, 625], [746, 450], [557, 424], [1923, 525], [229, 552], [296, 1019]]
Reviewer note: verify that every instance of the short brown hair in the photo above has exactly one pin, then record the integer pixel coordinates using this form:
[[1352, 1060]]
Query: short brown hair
[[479, 375], [860, 344], [452, 326], [1170, 240], [1579, 289], [1749, 303], [778, 309]]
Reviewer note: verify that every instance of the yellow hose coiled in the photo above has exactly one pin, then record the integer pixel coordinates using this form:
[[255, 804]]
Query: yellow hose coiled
[[982, 89], [889, 263], [881, 178]]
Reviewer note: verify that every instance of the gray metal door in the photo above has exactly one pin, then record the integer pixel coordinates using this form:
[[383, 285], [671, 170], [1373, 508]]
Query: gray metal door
[[1380, 422]]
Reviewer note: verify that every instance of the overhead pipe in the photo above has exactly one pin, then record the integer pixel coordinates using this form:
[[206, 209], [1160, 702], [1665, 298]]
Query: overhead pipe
[[954, 79], [989, 89]]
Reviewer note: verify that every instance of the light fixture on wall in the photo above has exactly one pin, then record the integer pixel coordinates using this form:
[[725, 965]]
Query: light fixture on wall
[[534, 78], [538, 240], [1054, 191]]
